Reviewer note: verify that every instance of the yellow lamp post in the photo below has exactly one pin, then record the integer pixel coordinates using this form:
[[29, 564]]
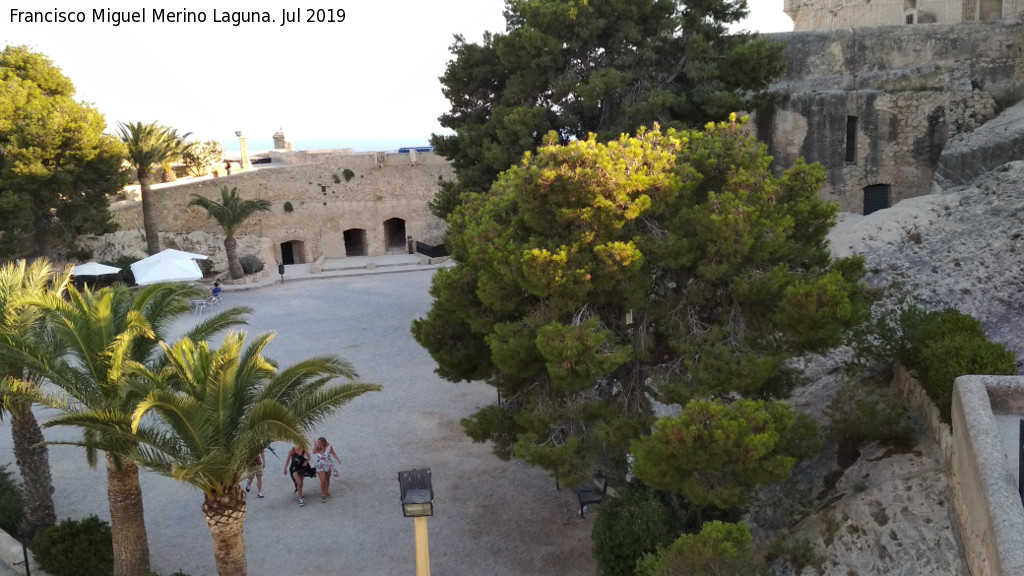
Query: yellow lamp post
[[418, 503], [245, 153]]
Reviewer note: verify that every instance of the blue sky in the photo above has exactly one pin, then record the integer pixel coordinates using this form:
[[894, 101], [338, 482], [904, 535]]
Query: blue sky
[[370, 81]]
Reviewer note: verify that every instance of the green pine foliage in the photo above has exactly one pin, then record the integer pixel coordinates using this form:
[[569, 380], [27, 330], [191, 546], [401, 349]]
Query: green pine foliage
[[716, 454], [76, 548], [720, 548], [593, 277], [604, 67], [57, 167]]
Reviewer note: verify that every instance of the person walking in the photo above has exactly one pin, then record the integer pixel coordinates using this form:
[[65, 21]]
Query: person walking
[[325, 467], [297, 464], [256, 470]]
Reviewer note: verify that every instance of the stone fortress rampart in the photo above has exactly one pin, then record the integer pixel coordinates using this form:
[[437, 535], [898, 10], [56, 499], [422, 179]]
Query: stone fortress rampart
[[383, 203], [836, 14], [876, 105]]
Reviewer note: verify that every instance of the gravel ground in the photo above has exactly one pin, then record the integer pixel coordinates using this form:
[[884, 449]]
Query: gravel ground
[[491, 517]]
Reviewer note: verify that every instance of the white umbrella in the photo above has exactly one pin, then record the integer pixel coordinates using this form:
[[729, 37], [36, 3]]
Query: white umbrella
[[94, 269], [168, 268]]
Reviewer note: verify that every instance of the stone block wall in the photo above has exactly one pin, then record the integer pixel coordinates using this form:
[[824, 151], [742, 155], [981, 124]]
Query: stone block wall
[[908, 384], [835, 14], [988, 507], [324, 205], [901, 91]]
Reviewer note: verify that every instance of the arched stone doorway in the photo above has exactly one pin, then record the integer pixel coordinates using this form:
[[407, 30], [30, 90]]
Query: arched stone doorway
[[394, 235], [355, 242], [293, 252]]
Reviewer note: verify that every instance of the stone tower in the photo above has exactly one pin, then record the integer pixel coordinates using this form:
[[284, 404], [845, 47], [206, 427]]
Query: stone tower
[[280, 143]]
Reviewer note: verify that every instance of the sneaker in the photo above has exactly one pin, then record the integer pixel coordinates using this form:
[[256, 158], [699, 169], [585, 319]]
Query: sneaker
[[247, 487], [302, 501], [260, 494]]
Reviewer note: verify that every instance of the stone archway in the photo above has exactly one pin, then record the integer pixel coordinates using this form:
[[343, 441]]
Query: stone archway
[[394, 235], [293, 252], [355, 242]]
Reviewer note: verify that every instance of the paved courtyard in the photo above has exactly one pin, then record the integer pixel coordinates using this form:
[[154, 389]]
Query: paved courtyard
[[491, 517]]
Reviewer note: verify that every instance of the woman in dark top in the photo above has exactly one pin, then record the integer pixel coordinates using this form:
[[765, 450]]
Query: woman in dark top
[[297, 463]]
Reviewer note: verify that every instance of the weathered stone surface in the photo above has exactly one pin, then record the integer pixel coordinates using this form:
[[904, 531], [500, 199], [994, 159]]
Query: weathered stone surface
[[972, 154], [875, 106]]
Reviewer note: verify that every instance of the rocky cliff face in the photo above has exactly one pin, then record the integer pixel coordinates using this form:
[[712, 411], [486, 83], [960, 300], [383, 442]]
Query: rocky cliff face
[[962, 247]]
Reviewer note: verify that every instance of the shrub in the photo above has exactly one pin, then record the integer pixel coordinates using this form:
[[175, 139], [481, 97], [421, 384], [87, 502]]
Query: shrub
[[348, 174], [125, 264], [720, 548], [634, 524], [206, 266], [861, 413], [946, 344], [940, 345], [251, 263], [795, 554], [76, 548], [12, 503], [337, 179], [288, 207]]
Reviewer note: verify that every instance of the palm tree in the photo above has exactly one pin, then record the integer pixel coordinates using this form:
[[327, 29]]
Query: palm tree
[[150, 144], [101, 331], [220, 408], [20, 282], [231, 212]]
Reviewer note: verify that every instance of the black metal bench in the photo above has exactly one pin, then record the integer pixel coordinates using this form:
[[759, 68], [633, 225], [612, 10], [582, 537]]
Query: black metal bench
[[588, 495]]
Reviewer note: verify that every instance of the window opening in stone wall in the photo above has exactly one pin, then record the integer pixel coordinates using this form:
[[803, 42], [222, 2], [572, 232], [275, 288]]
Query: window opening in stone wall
[[355, 242], [910, 18], [394, 235], [991, 9], [877, 197], [851, 139]]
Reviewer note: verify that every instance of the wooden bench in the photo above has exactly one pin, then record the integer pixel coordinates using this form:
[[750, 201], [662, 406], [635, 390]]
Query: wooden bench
[[588, 495]]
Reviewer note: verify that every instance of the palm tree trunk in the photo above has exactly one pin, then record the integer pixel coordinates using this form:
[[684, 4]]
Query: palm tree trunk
[[234, 265], [34, 463], [127, 523], [148, 211], [225, 516]]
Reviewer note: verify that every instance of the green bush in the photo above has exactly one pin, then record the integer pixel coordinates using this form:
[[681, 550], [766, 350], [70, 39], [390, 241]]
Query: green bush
[[12, 503], [861, 413], [288, 207], [251, 263], [720, 548], [940, 345], [946, 344], [627, 527], [76, 548], [348, 174], [206, 266]]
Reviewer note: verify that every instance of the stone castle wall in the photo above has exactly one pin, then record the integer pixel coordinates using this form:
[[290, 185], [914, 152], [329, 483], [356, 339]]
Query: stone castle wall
[[836, 14], [894, 95], [325, 205]]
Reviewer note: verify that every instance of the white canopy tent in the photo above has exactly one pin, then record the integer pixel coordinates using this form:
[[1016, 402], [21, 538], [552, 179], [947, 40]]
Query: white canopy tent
[[94, 269], [168, 266]]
